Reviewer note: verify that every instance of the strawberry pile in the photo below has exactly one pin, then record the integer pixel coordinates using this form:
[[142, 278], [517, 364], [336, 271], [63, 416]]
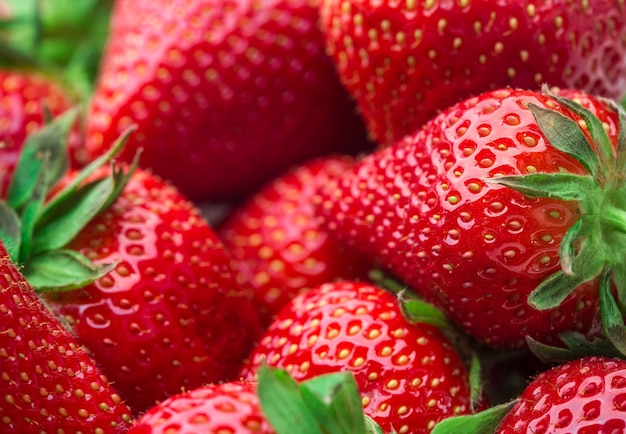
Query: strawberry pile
[[317, 217]]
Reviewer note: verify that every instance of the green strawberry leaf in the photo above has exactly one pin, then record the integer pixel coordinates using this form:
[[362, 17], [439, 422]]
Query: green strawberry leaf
[[604, 148], [480, 423], [282, 403], [63, 270], [335, 402], [619, 278], [416, 310], [565, 135], [612, 319], [567, 249], [372, 427], [576, 346], [551, 292], [10, 230], [621, 140], [47, 144], [30, 212], [476, 382], [564, 186]]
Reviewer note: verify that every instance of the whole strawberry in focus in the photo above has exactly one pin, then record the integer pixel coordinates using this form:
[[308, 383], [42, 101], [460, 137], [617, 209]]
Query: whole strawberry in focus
[[48, 382], [24, 98], [480, 208], [405, 61], [226, 93], [130, 266], [409, 375], [277, 245]]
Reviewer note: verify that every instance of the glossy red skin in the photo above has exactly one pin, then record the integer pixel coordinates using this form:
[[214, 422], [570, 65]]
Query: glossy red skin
[[409, 375], [246, 91], [583, 396], [228, 407], [22, 98], [479, 253], [278, 246], [467, 48], [48, 382], [170, 315]]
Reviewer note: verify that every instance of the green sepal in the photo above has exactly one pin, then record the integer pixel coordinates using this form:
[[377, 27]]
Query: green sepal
[[30, 212], [612, 319], [416, 310], [476, 382], [621, 140], [485, 422], [619, 278], [576, 346], [565, 135], [335, 402], [10, 230], [567, 248], [45, 145], [63, 270], [551, 292], [372, 427], [327, 404], [564, 186], [604, 148]]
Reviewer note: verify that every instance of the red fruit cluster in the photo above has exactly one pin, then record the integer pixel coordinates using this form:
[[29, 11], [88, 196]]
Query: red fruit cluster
[[347, 289]]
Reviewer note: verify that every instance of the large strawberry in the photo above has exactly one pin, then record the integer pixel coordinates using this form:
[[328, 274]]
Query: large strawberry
[[586, 395], [404, 61], [48, 382], [226, 94], [409, 375], [277, 244], [25, 96], [132, 268], [433, 209]]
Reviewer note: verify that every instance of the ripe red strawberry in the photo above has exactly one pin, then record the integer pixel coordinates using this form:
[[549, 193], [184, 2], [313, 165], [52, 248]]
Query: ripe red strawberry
[[228, 407], [432, 210], [48, 382], [234, 91], [132, 268], [277, 245], [170, 314], [23, 95], [409, 375], [405, 61]]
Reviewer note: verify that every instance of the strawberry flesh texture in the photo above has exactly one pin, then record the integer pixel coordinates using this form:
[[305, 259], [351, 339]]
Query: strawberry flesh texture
[[276, 242], [401, 80], [228, 407], [583, 396], [23, 96], [170, 315], [408, 374], [475, 249], [234, 91], [48, 381]]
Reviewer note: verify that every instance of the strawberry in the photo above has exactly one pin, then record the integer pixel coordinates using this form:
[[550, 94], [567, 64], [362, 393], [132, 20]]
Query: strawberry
[[129, 264], [277, 245], [586, 395], [235, 90], [48, 381], [405, 61], [24, 97], [228, 407], [409, 375], [434, 209]]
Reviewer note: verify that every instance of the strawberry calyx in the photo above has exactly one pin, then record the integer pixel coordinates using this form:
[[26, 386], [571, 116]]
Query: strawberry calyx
[[326, 404], [593, 247], [37, 221]]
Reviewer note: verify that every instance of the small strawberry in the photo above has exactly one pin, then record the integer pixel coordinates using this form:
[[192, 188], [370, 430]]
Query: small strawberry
[[587, 395], [409, 375], [277, 245], [24, 99], [228, 407], [131, 267], [405, 61], [48, 383], [234, 90], [448, 210]]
